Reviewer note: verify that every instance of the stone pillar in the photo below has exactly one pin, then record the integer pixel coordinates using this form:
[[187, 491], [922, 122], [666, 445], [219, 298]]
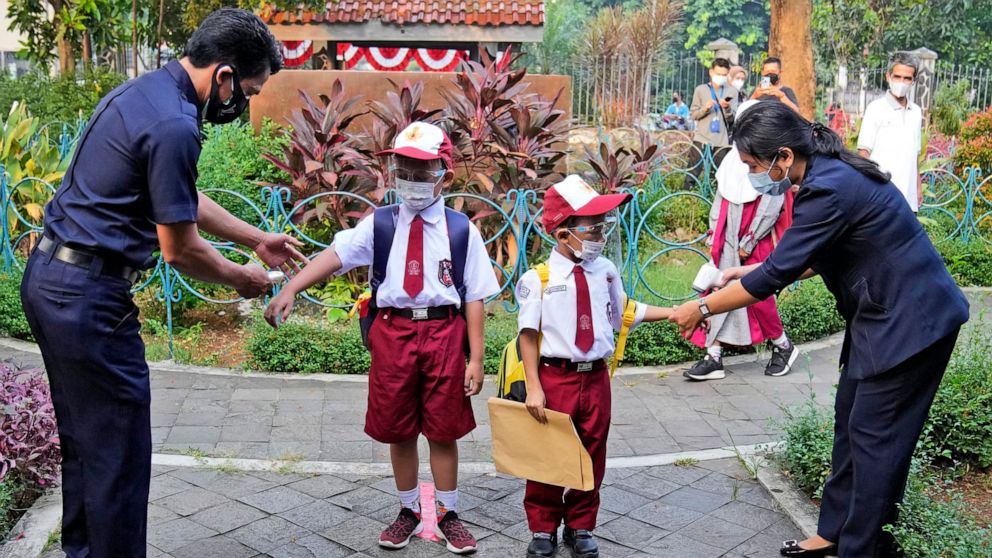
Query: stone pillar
[[724, 48], [925, 88]]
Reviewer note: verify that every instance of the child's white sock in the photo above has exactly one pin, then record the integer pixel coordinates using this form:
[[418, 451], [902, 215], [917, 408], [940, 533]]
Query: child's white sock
[[410, 498], [447, 500], [715, 352], [782, 342]]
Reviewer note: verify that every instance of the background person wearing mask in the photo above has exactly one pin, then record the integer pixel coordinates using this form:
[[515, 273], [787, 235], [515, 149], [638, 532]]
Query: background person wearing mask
[[677, 114], [738, 76], [891, 130], [770, 87], [712, 109]]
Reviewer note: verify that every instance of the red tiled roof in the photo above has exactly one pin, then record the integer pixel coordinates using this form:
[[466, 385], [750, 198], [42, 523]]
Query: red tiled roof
[[493, 13]]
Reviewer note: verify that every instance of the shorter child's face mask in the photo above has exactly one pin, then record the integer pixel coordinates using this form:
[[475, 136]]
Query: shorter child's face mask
[[591, 249]]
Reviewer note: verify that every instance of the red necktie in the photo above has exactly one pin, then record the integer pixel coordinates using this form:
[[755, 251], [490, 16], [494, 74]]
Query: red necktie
[[413, 280], [583, 311]]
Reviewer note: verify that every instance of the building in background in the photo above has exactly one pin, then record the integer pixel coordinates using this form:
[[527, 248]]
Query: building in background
[[10, 43]]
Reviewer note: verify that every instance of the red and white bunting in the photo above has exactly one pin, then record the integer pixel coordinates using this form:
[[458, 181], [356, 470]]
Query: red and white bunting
[[296, 53], [388, 59], [438, 60]]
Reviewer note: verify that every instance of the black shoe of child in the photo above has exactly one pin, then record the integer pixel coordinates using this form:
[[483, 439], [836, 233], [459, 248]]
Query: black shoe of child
[[708, 368], [781, 361], [543, 545], [582, 543]]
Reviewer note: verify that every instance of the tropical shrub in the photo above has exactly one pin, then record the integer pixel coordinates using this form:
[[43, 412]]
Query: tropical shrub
[[975, 149], [29, 439]]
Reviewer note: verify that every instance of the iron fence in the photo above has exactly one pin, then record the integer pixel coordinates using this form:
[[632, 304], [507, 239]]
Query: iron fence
[[661, 232]]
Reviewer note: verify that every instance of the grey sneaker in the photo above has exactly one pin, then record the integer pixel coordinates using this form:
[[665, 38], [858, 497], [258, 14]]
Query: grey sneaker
[[781, 361], [707, 369]]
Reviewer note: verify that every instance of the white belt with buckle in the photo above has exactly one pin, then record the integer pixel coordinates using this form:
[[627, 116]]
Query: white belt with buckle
[[419, 313], [583, 366]]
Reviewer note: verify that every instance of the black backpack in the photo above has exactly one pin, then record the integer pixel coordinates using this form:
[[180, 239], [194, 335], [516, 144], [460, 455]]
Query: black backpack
[[383, 231]]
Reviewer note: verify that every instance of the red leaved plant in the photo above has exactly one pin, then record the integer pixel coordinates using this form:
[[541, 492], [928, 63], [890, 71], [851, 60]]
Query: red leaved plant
[[29, 439]]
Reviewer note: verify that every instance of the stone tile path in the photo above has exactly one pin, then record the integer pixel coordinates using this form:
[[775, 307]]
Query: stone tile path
[[707, 510], [699, 510], [298, 418]]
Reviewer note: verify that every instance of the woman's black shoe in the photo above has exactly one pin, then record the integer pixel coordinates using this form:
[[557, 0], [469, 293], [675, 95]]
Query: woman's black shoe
[[543, 545], [792, 548]]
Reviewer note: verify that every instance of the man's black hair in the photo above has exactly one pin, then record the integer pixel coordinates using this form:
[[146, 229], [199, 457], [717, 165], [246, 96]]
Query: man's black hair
[[721, 62], [772, 60], [236, 37]]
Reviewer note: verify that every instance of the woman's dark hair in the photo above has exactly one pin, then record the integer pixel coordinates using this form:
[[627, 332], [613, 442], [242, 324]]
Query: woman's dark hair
[[236, 37], [766, 128]]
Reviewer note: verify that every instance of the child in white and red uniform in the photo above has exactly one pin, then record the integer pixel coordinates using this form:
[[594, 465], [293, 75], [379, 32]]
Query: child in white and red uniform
[[419, 382]]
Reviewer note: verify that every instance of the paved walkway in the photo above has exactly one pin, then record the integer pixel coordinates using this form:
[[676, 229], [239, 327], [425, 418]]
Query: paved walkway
[[232, 415], [699, 510], [708, 510]]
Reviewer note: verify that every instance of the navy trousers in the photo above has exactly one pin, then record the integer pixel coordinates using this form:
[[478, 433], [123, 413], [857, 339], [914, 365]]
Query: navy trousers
[[87, 328], [878, 422]]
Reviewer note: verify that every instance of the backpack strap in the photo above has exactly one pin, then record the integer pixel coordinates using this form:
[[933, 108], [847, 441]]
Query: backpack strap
[[543, 273], [629, 314], [383, 230], [458, 233]]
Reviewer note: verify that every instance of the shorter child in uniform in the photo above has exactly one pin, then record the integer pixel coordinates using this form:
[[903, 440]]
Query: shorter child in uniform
[[566, 335], [419, 382]]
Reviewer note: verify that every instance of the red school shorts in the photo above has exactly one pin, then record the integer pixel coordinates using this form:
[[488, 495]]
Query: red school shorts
[[417, 381]]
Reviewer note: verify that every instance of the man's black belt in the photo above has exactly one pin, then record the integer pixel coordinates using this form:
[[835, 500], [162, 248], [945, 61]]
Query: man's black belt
[[574, 366], [419, 314], [81, 258]]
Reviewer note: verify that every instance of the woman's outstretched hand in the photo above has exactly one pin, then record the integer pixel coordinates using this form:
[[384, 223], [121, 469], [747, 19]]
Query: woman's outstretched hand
[[687, 316]]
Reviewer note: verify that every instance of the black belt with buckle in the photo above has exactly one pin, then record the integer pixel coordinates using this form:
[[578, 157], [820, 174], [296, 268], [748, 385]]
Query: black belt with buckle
[[80, 258], [420, 314], [574, 366]]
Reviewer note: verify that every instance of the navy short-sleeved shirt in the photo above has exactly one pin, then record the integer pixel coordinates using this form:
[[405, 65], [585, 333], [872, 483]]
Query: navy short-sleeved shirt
[[134, 167]]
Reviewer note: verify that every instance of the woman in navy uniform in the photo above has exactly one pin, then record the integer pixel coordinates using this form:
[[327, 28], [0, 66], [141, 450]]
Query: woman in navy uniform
[[131, 190], [903, 312]]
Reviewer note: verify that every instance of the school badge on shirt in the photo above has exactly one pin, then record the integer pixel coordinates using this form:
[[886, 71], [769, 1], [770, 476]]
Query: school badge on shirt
[[445, 273]]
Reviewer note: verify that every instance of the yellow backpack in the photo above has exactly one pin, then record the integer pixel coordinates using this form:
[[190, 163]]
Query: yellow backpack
[[511, 380]]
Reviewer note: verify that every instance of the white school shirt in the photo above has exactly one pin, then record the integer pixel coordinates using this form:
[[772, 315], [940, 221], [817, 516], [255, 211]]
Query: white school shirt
[[892, 135], [354, 249], [554, 314]]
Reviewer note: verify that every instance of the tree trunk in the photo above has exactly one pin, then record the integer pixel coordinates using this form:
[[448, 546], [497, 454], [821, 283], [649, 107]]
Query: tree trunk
[[87, 51], [158, 34], [790, 39], [67, 58], [134, 36]]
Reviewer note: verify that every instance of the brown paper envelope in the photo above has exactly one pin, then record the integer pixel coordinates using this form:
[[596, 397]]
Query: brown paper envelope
[[550, 453]]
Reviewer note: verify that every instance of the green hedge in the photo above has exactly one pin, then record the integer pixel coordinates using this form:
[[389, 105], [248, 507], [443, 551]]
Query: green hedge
[[307, 348], [58, 99], [12, 320], [808, 313], [970, 263]]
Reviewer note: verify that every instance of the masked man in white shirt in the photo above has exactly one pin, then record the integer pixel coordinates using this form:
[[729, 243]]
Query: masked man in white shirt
[[891, 130]]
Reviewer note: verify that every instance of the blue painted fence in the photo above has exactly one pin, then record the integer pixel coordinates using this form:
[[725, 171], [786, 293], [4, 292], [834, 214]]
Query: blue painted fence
[[957, 206]]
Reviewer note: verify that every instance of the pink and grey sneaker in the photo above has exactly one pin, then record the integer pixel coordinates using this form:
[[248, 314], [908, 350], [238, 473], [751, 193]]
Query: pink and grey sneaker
[[398, 534], [455, 535]]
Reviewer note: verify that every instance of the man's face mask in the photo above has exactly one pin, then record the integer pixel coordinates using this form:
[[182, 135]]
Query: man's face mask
[[218, 111]]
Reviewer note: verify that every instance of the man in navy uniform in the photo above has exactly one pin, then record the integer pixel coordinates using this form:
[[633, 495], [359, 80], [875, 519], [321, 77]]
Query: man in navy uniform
[[130, 190]]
